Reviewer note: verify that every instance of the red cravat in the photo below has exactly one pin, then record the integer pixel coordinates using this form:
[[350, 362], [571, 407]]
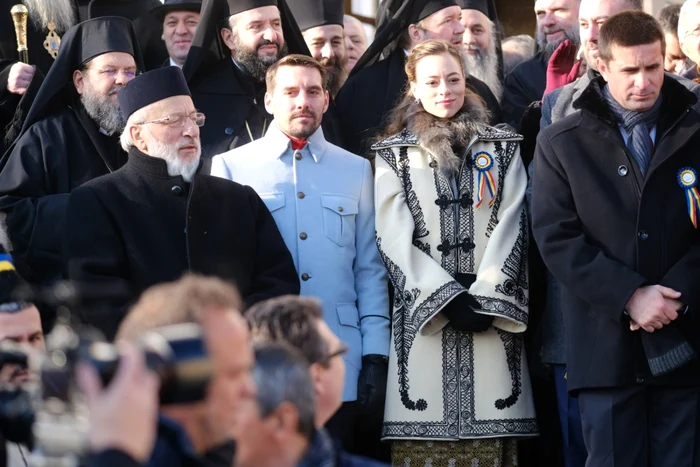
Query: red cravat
[[297, 143]]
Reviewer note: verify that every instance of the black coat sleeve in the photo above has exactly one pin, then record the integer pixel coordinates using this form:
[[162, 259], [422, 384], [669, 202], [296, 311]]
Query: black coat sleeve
[[492, 105], [95, 259], [35, 217], [683, 277], [112, 458], [582, 267], [275, 274], [515, 98]]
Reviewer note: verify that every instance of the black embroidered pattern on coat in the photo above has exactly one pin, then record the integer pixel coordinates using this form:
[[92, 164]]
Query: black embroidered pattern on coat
[[388, 156], [466, 214], [503, 308], [405, 329], [419, 229], [447, 221], [514, 345], [503, 159], [515, 267]]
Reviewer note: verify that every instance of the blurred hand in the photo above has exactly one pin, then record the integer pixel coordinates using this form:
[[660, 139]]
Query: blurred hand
[[653, 307], [19, 78], [123, 415], [563, 67]]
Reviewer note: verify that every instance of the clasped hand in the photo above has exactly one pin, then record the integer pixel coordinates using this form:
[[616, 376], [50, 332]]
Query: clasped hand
[[653, 307]]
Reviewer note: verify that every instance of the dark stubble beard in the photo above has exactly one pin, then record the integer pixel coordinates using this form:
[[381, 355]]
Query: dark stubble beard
[[59, 12], [251, 62], [102, 109]]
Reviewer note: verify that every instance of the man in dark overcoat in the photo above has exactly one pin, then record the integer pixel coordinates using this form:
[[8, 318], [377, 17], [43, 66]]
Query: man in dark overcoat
[[157, 218], [374, 89], [70, 136], [615, 216]]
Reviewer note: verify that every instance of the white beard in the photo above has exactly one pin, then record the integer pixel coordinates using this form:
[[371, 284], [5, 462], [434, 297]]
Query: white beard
[[484, 66], [58, 12], [176, 166]]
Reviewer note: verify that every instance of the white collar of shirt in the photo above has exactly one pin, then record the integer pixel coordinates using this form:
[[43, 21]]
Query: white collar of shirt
[[315, 144], [172, 62]]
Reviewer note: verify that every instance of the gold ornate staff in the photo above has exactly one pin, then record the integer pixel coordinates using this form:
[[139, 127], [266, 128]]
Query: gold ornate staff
[[19, 17]]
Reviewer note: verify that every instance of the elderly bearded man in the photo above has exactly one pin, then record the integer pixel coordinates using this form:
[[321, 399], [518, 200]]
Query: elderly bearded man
[[322, 199], [71, 135], [157, 218], [480, 42]]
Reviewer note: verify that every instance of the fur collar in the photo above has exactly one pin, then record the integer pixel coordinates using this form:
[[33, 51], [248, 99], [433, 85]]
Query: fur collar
[[440, 136]]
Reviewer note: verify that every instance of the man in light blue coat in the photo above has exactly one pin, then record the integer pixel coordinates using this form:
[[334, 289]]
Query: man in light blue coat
[[322, 199]]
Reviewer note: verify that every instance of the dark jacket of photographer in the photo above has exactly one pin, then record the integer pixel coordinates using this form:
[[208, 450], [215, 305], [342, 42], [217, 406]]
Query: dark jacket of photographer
[[138, 226]]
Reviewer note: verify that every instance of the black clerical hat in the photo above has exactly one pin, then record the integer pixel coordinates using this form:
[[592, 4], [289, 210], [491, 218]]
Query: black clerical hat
[[399, 15], [312, 13], [479, 5], [81, 43], [176, 5], [150, 87], [239, 6]]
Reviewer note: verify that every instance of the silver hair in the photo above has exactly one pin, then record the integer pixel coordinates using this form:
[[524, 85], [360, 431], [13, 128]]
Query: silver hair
[[134, 119], [281, 374], [58, 12], [684, 21], [522, 48]]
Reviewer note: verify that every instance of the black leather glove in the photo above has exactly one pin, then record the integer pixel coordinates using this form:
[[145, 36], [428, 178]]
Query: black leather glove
[[371, 385], [460, 312]]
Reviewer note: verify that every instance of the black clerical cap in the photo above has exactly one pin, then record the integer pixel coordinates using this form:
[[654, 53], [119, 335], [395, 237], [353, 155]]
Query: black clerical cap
[[479, 5], [239, 6], [398, 16], [425, 8], [176, 5], [312, 13], [150, 87], [100, 37]]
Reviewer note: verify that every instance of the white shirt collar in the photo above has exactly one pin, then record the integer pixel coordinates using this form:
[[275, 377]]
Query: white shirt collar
[[172, 62]]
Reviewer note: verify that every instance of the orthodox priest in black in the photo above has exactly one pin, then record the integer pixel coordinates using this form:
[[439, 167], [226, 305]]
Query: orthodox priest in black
[[374, 88], [157, 218], [47, 22], [235, 44], [69, 137]]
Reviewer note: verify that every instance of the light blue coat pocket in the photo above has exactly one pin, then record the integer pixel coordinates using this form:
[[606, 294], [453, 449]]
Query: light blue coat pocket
[[339, 218]]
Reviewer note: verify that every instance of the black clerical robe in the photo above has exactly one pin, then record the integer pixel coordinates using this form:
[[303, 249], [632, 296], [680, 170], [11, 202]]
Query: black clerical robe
[[235, 108], [139, 226], [367, 98], [56, 155]]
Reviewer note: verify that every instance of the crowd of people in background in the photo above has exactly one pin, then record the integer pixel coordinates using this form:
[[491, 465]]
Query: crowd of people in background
[[439, 246]]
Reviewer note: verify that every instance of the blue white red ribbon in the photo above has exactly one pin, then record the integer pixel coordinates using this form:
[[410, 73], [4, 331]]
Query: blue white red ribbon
[[688, 180], [483, 162]]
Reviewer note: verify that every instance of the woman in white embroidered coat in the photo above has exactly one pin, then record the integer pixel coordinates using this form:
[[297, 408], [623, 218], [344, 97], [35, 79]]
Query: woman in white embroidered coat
[[452, 231]]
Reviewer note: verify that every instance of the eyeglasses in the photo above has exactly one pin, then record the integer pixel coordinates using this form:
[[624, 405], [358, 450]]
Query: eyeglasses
[[114, 72], [342, 350], [695, 32], [178, 120]]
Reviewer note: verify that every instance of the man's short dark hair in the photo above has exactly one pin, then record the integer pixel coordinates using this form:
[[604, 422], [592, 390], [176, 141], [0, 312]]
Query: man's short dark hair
[[629, 29], [281, 374], [293, 320], [668, 19], [293, 60]]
